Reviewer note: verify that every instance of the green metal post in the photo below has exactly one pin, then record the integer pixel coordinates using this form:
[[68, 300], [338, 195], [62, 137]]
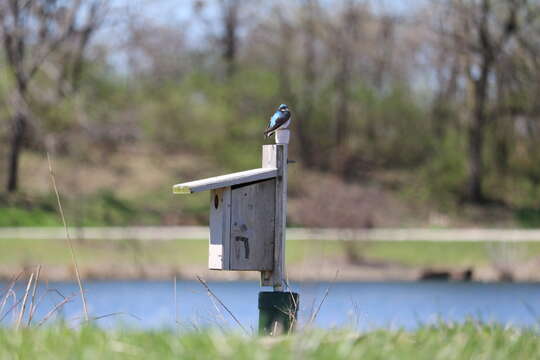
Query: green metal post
[[278, 312]]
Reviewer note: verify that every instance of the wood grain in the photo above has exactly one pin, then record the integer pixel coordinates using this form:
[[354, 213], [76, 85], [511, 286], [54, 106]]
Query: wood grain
[[220, 229], [252, 226], [275, 156]]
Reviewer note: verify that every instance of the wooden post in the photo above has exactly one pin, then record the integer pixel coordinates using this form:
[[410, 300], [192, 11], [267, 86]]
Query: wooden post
[[275, 156], [278, 310]]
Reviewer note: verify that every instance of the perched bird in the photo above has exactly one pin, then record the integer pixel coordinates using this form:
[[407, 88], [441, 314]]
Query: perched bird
[[280, 120]]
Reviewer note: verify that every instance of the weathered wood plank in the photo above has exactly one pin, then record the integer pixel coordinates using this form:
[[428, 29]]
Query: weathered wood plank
[[220, 222], [225, 180], [252, 226], [276, 156], [268, 161]]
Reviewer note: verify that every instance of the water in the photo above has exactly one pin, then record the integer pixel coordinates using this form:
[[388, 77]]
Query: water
[[365, 306]]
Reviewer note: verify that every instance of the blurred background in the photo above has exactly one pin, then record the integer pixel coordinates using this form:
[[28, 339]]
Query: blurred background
[[413, 120], [413, 113]]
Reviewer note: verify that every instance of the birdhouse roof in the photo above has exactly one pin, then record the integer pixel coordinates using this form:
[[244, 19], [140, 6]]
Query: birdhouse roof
[[225, 180]]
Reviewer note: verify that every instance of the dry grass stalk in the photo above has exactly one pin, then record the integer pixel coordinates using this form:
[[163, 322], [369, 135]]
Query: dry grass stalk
[[219, 314], [68, 237], [290, 313], [33, 302], [25, 298], [45, 293], [53, 310], [316, 313], [14, 306], [275, 329], [9, 291], [118, 313], [294, 310], [175, 303], [210, 292]]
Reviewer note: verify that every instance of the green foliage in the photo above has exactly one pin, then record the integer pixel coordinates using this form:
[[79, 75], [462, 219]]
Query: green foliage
[[391, 116], [223, 120], [445, 173], [99, 209], [18, 216], [470, 340], [528, 217], [104, 208], [26, 210]]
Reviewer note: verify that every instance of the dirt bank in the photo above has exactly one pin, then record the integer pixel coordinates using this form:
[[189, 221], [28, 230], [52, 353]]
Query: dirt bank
[[328, 270]]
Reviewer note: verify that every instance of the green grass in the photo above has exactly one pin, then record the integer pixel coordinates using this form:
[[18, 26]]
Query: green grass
[[465, 341], [195, 252], [99, 209], [15, 216], [445, 253], [55, 252]]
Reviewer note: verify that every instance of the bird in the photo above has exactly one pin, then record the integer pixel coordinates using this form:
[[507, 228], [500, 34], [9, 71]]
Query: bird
[[280, 120]]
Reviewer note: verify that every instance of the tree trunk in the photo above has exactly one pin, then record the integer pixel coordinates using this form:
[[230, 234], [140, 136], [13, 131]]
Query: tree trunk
[[342, 84], [476, 171], [284, 64], [340, 153], [476, 136], [303, 131], [230, 35], [17, 139]]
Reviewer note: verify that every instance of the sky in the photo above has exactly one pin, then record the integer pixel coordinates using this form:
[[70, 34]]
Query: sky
[[180, 13]]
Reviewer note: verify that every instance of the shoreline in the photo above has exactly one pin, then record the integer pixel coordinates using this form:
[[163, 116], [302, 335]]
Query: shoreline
[[296, 273]]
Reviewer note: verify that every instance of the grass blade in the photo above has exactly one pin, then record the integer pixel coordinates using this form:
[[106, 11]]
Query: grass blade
[[53, 310], [316, 313], [222, 304], [68, 237], [25, 298], [8, 291], [33, 303]]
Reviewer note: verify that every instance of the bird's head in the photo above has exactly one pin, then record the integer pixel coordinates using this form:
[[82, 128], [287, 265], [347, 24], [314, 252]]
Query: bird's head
[[283, 107]]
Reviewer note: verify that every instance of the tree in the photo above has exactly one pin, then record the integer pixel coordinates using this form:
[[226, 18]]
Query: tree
[[230, 12], [343, 44], [481, 32], [306, 103], [46, 37], [230, 19], [156, 51]]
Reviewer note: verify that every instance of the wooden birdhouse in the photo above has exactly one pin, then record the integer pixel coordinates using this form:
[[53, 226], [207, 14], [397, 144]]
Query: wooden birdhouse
[[248, 215]]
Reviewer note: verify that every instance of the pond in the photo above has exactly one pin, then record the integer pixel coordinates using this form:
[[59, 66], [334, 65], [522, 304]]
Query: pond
[[364, 306]]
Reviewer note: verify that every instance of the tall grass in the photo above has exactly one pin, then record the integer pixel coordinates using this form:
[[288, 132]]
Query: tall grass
[[28, 300], [466, 341]]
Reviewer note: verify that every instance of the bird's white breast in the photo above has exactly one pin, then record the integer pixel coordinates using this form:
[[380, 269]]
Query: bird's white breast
[[286, 125]]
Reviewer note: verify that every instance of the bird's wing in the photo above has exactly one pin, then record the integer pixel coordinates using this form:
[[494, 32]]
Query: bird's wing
[[273, 120], [277, 120]]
